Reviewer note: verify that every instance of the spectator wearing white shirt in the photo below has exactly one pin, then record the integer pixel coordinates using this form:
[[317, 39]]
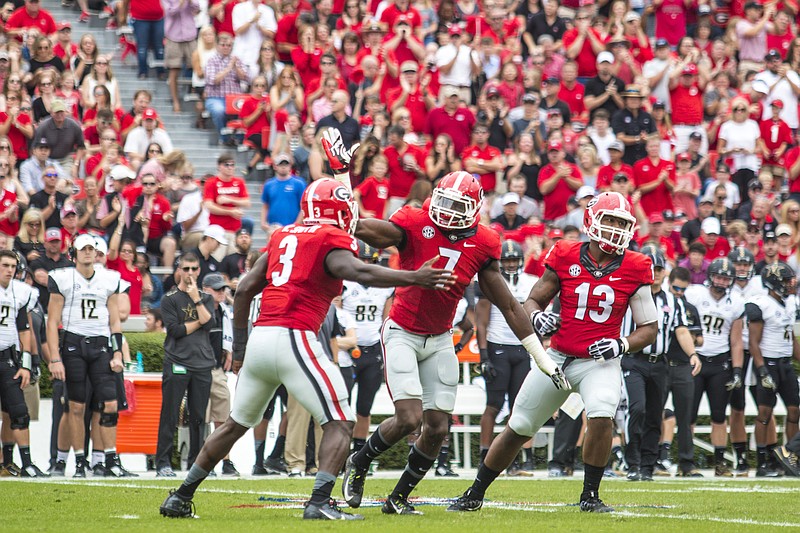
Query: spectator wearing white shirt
[[192, 215], [252, 22], [142, 136], [457, 62], [784, 84]]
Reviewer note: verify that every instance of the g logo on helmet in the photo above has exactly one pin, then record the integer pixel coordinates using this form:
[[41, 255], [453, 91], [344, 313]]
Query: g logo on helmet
[[341, 193]]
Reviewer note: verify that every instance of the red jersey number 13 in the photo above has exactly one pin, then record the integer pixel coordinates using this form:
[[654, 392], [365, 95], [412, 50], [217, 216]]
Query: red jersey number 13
[[604, 293]]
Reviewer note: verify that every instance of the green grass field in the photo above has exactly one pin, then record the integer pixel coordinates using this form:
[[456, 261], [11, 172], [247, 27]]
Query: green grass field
[[250, 505]]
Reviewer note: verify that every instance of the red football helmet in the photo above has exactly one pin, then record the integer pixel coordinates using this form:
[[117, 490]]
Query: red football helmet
[[612, 239], [327, 201], [456, 201]]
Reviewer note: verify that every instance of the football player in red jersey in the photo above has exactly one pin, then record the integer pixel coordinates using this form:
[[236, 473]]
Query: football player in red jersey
[[299, 275], [421, 366], [598, 281]]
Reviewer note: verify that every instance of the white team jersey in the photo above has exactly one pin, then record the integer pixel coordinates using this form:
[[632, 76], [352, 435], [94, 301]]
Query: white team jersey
[[716, 318], [255, 311], [85, 300], [34, 299], [124, 286], [498, 330], [365, 305], [461, 311], [778, 334], [13, 300], [753, 288]]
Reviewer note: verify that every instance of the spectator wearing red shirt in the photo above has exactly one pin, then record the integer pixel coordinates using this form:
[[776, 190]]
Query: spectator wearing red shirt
[[31, 15], [686, 95], [656, 235], [780, 37], [221, 14], [402, 10], [255, 114], [482, 159], [64, 48], [775, 139], [710, 237], [607, 172], [583, 44], [671, 19], [412, 94], [571, 92], [372, 193], [558, 180], [406, 165], [151, 219], [225, 196], [307, 56], [399, 47], [452, 118], [20, 126], [9, 209], [286, 38], [122, 258], [635, 34], [654, 178], [535, 263]]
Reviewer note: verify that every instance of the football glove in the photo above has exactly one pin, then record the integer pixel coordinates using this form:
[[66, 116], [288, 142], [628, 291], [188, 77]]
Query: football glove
[[488, 371], [545, 323], [765, 379], [606, 349], [338, 156], [736, 381]]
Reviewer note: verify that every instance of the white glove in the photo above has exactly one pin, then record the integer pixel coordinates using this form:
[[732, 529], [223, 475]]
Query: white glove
[[606, 349], [339, 157], [545, 323]]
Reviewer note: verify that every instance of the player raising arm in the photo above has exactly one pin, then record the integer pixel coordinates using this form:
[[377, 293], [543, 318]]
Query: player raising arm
[[421, 364], [598, 281], [299, 276]]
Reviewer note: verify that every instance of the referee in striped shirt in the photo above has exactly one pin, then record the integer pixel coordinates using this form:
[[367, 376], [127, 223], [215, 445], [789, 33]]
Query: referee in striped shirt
[[645, 375]]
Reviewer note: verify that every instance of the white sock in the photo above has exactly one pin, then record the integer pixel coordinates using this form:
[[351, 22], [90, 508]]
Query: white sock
[[97, 458], [62, 455]]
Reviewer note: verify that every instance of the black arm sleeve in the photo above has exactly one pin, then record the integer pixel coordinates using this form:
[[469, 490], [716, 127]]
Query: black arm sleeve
[[753, 312], [209, 303], [22, 320], [169, 315], [52, 286]]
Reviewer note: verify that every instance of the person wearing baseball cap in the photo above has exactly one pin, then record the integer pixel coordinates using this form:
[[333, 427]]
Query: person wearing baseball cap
[[142, 136], [52, 259], [686, 90], [775, 139], [558, 180], [213, 238], [64, 136], [616, 151]]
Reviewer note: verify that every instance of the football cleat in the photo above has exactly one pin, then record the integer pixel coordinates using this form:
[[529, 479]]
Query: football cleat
[[767, 471], [80, 470], [593, 504], [634, 475], [556, 472], [466, 503], [228, 468], [661, 470], [11, 469], [165, 471], [176, 507], [722, 470], [690, 473], [789, 460], [742, 469], [32, 471], [99, 470], [398, 505], [516, 470], [117, 470], [445, 471], [275, 466], [353, 486], [58, 469], [645, 475], [259, 470], [328, 511]]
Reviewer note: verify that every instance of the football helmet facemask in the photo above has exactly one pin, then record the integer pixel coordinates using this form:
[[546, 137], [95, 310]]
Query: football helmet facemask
[[720, 274], [456, 201], [743, 263], [779, 278], [611, 238], [511, 259]]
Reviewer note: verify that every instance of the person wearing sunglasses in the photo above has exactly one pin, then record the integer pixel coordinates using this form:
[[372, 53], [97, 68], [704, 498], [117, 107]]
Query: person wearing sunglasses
[[143, 137], [188, 315], [31, 172], [151, 219], [226, 198]]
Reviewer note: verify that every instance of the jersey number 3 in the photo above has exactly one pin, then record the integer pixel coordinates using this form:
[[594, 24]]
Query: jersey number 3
[[606, 297], [289, 245]]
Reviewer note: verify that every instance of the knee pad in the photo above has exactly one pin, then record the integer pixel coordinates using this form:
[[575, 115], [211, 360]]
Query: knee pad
[[20, 422], [109, 420], [669, 413]]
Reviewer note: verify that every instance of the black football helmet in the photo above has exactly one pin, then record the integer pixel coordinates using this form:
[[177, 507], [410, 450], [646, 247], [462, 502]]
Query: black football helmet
[[22, 267], [367, 252], [743, 262], [655, 254], [511, 259], [720, 274], [779, 278]]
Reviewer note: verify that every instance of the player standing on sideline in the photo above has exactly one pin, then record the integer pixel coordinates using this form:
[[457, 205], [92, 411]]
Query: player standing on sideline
[[300, 275], [504, 361], [369, 307], [598, 281], [16, 366], [85, 301], [770, 319], [421, 364], [746, 286], [721, 314]]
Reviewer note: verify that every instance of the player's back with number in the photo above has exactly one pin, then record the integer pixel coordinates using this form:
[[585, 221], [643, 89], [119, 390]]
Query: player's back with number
[[593, 299], [428, 312], [716, 318], [85, 310], [299, 289]]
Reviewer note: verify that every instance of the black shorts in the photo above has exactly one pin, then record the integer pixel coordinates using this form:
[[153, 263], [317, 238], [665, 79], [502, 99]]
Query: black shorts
[[280, 393], [785, 379], [256, 140], [11, 396], [368, 371], [512, 364], [88, 357], [98, 405], [716, 372]]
